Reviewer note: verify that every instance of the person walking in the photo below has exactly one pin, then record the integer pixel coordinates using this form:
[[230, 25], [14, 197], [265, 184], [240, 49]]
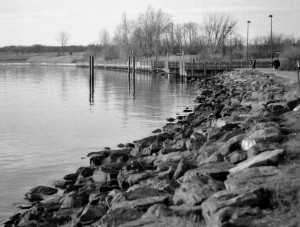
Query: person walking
[[276, 65], [253, 63]]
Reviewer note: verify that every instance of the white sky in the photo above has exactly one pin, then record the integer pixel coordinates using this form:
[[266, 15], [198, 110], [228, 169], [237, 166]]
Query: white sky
[[28, 22]]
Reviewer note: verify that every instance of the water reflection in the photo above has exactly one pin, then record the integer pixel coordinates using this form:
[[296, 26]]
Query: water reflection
[[133, 84], [47, 126], [91, 89]]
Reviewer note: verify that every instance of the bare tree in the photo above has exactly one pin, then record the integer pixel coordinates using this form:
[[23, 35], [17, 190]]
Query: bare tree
[[216, 28], [154, 24], [123, 37], [63, 40], [104, 40], [104, 37]]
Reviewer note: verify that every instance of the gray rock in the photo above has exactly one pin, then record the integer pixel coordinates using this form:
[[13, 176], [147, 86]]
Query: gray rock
[[140, 192], [161, 184], [268, 134], [182, 167], [118, 216], [90, 214], [180, 145], [99, 176], [196, 190], [259, 148], [130, 178], [38, 193], [144, 202], [278, 108], [227, 208], [236, 157], [252, 177], [120, 145], [264, 159], [216, 170], [157, 131]]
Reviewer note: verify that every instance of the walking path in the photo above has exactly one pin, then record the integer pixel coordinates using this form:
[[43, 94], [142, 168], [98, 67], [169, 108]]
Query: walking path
[[292, 75]]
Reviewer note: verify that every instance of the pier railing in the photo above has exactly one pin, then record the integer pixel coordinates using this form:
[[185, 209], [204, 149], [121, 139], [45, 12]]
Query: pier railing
[[197, 68]]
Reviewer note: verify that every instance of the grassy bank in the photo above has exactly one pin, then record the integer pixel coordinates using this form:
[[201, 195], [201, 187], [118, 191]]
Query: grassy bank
[[51, 58]]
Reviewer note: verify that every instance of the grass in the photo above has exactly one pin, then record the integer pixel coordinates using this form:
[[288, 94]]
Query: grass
[[287, 196], [13, 57], [51, 58]]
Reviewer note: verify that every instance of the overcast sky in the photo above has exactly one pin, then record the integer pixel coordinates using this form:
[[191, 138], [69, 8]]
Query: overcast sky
[[28, 22]]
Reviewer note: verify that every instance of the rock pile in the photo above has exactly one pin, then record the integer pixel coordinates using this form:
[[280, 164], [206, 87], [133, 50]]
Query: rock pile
[[217, 164]]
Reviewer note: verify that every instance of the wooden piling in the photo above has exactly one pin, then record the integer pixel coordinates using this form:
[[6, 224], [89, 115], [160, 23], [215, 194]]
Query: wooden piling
[[215, 68], [129, 65], [193, 68], [133, 66], [298, 68], [91, 67], [91, 79]]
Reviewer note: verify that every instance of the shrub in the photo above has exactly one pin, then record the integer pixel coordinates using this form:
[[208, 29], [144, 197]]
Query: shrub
[[290, 56]]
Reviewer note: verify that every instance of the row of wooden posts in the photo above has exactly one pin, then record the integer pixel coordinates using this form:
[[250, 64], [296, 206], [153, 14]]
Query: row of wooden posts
[[133, 59], [92, 66], [91, 79]]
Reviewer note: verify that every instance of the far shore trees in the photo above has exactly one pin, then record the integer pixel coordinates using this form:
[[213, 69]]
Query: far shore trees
[[216, 29], [63, 40], [153, 33], [144, 36]]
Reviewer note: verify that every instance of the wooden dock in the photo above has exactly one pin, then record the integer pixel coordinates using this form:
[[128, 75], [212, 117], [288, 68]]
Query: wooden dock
[[185, 69]]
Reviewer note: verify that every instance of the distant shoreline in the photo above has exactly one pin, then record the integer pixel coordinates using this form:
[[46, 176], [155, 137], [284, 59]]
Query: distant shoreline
[[36, 64]]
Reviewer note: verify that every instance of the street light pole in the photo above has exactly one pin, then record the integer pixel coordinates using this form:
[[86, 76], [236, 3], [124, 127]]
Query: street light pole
[[248, 22], [230, 44], [271, 16]]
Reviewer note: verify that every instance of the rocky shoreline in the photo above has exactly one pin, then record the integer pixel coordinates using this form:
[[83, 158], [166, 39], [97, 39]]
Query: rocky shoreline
[[227, 163]]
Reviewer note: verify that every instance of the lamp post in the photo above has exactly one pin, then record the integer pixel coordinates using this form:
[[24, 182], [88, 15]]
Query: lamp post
[[230, 44], [271, 16], [248, 22]]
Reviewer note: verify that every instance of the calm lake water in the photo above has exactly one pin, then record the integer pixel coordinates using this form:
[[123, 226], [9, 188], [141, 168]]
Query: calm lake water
[[50, 119]]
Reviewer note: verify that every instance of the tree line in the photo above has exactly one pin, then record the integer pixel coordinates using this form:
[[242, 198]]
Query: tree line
[[38, 48], [153, 33]]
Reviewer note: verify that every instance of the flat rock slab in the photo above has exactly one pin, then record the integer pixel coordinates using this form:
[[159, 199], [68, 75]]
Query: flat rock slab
[[254, 176], [225, 208], [139, 202], [216, 170], [263, 159], [142, 192], [119, 216]]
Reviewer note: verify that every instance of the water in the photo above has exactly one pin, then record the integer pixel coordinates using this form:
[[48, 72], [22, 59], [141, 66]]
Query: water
[[50, 119]]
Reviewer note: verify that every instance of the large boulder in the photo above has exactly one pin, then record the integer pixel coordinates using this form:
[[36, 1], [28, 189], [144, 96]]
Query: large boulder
[[278, 108], [215, 170], [118, 216], [90, 214], [268, 134], [129, 178], [196, 190], [39, 193], [235, 208]]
